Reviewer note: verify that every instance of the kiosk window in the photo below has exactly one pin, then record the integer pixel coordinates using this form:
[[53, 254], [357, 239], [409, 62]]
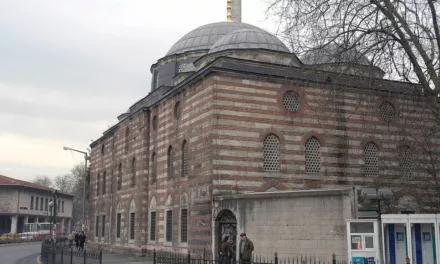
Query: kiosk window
[[362, 228], [356, 242], [369, 242]]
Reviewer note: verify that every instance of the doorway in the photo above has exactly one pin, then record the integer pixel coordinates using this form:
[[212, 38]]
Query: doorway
[[226, 225]]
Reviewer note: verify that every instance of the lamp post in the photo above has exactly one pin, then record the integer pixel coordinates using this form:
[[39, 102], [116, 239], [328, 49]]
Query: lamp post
[[378, 195], [86, 158], [53, 206]]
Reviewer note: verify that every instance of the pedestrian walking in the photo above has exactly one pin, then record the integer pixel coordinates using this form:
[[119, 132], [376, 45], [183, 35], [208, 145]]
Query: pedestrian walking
[[77, 241], [82, 241], [225, 251], [70, 238], [246, 249]]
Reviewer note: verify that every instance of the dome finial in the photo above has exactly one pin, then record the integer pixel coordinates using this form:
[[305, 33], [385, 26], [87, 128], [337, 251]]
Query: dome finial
[[234, 10]]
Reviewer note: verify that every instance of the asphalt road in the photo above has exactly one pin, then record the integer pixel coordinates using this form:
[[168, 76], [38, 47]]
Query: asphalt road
[[20, 253]]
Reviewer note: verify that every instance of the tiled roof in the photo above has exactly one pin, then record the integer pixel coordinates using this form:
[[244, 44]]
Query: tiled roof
[[11, 181]]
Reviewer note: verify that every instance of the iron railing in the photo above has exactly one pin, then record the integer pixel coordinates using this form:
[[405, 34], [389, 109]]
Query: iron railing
[[63, 253]]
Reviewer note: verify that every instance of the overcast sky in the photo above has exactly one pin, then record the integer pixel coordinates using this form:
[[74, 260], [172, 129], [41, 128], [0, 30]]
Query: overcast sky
[[69, 68]]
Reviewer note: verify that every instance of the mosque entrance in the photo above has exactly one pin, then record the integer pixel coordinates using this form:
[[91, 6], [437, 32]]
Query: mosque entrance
[[226, 225]]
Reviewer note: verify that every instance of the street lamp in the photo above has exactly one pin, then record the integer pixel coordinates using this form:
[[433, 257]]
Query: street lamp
[[53, 206], [86, 158]]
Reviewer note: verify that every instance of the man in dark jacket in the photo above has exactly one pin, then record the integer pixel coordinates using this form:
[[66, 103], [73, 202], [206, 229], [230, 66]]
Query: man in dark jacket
[[246, 249]]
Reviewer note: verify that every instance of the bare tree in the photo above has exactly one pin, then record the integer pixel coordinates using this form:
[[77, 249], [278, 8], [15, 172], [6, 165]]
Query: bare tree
[[402, 37], [43, 180]]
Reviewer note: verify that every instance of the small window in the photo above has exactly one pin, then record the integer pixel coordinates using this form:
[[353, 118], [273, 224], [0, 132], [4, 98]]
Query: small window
[[103, 226], [177, 111], [133, 172], [170, 163], [32, 203], [405, 162], [184, 225], [104, 182], [46, 207], [36, 203], [59, 206], [184, 159], [371, 160], [155, 123], [42, 204], [169, 226], [132, 225], [153, 226], [271, 153], [102, 149], [387, 111], [291, 101], [98, 181], [118, 225], [97, 226], [127, 139], [154, 168], [119, 176], [62, 206], [313, 156]]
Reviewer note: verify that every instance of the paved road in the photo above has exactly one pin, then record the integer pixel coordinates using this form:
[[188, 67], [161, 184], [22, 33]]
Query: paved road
[[20, 253]]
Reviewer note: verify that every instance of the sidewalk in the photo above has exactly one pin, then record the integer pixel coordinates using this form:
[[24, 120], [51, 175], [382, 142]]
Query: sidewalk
[[116, 258]]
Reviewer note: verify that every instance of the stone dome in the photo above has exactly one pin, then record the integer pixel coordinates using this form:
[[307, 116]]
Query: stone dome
[[254, 38], [204, 37]]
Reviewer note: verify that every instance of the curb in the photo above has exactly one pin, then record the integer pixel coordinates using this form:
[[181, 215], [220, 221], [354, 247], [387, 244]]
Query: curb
[[39, 260]]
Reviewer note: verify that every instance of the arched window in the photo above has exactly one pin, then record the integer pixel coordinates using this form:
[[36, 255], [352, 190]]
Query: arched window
[[98, 182], [313, 156], [119, 177], [155, 123], [104, 182], [153, 219], [169, 219], [133, 172], [184, 218], [153, 168], [177, 111], [371, 159], [132, 219], [184, 159], [127, 139], [170, 163], [102, 149], [405, 162], [271, 153]]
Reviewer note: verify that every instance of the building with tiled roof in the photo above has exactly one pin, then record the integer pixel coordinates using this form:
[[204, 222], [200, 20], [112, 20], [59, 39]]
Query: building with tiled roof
[[23, 202]]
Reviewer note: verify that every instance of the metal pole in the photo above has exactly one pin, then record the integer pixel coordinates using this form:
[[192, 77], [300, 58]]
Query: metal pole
[[84, 192]]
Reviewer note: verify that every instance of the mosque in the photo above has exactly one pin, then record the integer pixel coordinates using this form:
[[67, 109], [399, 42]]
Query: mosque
[[238, 134]]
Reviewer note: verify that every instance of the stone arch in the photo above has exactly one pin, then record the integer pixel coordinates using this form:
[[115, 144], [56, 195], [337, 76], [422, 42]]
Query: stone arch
[[169, 201], [132, 206], [153, 203], [184, 199], [226, 225]]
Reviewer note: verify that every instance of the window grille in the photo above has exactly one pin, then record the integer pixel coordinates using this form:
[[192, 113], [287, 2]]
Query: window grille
[[170, 164], [104, 182], [169, 226], [120, 177], [177, 111], [133, 172], [184, 225], [185, 159], [154, 168], [103, 226], [313, 156], [155, 123], [153, 226], [291, 101], [98, 181], [36, 203], [42, 204], [271, 153], [371, 159], [387, 111], [132, 217], [405, 162], [97, 226], [118, 225], [32, 202]]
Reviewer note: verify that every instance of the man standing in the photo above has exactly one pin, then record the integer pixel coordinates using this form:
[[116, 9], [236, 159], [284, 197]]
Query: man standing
[[246, 249]]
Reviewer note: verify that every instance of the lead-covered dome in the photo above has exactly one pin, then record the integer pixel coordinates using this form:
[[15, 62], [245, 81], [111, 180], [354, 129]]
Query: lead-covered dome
[[254, 38], [204, 37]]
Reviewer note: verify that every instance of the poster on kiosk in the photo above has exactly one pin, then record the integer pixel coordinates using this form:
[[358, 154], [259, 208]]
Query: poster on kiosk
[[363, 241]]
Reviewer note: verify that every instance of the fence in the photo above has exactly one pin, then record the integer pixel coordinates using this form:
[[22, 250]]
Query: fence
[[206, 258], [63, 253]]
